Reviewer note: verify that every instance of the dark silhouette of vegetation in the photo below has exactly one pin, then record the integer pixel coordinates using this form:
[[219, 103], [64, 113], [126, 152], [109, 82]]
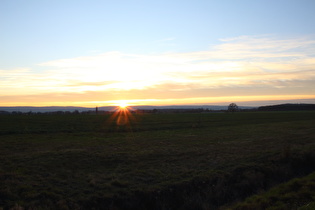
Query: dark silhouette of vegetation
[[233, 107], [288, 107]]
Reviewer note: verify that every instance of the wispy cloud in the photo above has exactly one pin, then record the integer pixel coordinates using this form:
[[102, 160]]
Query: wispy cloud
[[258, 65]]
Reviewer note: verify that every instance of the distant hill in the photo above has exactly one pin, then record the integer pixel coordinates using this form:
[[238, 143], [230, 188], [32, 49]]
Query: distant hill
[[44, 109], [210, 107], [279, 107], [109, 108], [287, 107]]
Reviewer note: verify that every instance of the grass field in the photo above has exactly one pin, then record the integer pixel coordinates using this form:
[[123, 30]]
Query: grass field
[[157, 161], [295, 194]]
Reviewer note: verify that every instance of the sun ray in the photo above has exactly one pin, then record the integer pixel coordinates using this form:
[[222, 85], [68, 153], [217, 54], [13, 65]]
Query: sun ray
[[122, 116]]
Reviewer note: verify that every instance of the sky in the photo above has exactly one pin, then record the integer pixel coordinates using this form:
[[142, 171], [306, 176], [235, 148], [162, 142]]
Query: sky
[[99, 53]]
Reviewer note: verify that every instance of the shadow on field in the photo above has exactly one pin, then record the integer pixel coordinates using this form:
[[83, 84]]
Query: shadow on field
[[212, 192]]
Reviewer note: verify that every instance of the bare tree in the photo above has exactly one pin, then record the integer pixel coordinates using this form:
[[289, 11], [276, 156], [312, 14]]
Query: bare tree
[[232, 107]]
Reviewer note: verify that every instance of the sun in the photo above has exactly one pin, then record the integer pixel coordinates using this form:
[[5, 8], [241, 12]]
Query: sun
[[123, 105]]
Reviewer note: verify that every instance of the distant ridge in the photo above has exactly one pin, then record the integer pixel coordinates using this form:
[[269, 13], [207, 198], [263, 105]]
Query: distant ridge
[[210, 107], [278, 107], [287, 107], [44, 109], [109, 108]]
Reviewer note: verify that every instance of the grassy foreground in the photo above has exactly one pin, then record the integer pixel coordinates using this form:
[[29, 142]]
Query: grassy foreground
[[295, 194], [157, 161]]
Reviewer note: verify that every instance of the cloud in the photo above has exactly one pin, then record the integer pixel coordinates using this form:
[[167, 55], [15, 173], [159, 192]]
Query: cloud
[[149, 97], [237, 66]]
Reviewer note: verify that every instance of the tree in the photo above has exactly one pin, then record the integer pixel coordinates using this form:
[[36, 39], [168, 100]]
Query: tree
[[232, 107]]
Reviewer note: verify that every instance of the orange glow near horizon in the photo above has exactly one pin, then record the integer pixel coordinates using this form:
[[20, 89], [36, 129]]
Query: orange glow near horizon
[[161, 102], [219, 100], [237, 69]]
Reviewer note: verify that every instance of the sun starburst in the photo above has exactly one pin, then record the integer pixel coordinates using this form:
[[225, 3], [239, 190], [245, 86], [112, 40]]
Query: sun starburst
[[123, 105]]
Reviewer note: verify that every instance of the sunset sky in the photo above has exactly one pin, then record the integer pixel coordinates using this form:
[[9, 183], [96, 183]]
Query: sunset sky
[[167, 52]]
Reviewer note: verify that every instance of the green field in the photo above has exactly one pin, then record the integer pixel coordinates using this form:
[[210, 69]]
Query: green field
[[156, 161]]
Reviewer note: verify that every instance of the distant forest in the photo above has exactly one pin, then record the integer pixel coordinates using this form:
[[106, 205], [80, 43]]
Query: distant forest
[[288, 107]]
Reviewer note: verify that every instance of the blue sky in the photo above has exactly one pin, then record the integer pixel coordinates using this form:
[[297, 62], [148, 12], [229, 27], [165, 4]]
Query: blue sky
[[151, 52]]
